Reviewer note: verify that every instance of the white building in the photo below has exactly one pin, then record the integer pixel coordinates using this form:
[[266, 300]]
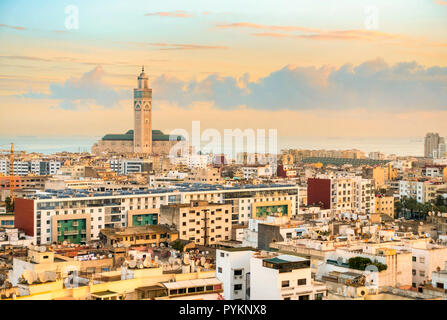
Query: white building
[[411, 189], [250, 275], [283, 277], [426, 258], [233, 270]]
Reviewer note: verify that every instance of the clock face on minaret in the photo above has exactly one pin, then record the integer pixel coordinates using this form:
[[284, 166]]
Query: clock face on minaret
[[143, 115]]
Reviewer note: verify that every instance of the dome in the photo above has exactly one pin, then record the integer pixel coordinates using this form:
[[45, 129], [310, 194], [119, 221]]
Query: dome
[[142, 74]]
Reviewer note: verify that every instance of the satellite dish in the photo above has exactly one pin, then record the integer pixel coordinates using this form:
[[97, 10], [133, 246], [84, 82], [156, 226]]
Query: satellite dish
[[140, 265], [43, 277], [30, 276], [110, 255]]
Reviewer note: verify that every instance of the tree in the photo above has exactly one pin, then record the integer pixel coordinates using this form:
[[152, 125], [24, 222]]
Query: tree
[[440, 201], [9, 205], [178, 245]]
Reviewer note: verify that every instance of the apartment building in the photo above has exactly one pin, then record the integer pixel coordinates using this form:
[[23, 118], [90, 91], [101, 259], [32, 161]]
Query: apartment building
[[385, 205], [344, 193], [233, 270], [253, 275], [422, 191], [258, 171], [283, 277], [152, 235], [426, 258], [204, 175], [113, 209], [199, 221], [398, 264]]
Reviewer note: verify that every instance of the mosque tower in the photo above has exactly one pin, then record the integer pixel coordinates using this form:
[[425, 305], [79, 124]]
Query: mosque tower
[[142, 102]]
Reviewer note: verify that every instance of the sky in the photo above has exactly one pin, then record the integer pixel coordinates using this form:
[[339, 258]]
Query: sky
[[319, 68]]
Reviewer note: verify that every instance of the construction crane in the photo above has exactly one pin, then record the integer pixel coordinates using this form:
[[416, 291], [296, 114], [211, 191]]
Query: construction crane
[[11, 168]]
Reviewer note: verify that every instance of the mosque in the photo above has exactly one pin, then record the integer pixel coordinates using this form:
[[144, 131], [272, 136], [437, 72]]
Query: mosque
[[142, 139]]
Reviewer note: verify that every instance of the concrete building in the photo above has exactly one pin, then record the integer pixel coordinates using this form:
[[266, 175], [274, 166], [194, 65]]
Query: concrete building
[[344, 193], [431, 144], [250, 275], [37, 213], [153, 235], [200, 221], [426, 258], [283, 277], [233, 270], [385, 205]]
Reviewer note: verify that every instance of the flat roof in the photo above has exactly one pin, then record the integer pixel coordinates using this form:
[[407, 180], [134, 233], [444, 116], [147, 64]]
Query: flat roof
[[104, 293], [191, 283]]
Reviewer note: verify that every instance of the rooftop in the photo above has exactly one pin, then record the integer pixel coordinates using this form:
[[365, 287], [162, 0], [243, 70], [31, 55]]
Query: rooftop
[[157, 135]]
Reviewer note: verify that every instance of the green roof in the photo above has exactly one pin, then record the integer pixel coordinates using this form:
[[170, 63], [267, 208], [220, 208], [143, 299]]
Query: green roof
[[341, 161], [276, 260], [157, 135]]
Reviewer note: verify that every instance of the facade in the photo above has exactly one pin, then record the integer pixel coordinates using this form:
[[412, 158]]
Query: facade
[[112, 209], [250, 275], [385, 205], [153, 235], [233, 270], [422, 191], [204, 175], [200, 221], [344, 194], [426, 258], [283, 277], [431, 144]]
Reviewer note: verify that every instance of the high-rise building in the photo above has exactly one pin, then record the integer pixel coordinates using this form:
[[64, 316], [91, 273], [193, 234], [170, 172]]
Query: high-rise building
[[142, 96], [431, 144]]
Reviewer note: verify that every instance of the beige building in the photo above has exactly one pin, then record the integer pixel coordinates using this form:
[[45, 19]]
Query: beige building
[[385, 205], [204, 175], [200, 221], [144, 235]]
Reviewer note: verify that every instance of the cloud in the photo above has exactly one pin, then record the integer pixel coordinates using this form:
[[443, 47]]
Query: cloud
[[372, 85], [80, 92], [176, 46], [11, 27], [299, 32], [173, 14]]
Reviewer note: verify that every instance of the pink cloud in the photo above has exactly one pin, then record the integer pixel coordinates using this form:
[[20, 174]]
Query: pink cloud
[[174, 14]]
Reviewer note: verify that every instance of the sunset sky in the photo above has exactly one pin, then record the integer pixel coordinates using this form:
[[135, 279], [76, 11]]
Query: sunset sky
[[307, 68]]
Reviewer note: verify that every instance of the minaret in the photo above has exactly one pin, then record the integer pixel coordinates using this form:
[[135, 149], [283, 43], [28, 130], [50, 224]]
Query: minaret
[[142, 102]]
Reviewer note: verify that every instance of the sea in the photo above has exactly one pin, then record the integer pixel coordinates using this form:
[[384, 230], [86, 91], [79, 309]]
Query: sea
[[406, 146]]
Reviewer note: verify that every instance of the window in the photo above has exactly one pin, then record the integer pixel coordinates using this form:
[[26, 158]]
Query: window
[[414, 272], [414, 258], [285, 284], [301, 282], [219, 269], [209, 288], [286, 298], [222, 254], [237, 287], [319, 296], [422, 260], [238, 272], [422, 273], [304, 297]]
